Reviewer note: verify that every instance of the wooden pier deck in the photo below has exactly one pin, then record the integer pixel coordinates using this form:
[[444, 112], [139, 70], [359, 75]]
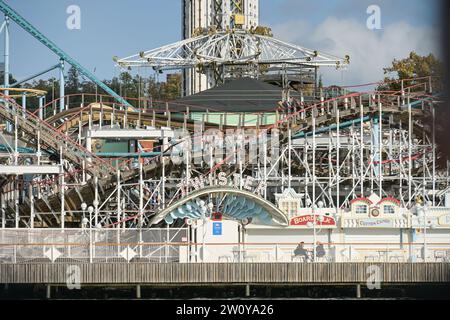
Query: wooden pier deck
[[225, 273]]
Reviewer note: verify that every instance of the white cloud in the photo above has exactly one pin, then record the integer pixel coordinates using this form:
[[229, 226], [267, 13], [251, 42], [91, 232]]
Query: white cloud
[[370, 51]]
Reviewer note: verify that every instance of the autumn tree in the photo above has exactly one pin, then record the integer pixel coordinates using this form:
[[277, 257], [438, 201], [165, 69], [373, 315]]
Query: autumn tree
[[412, 67]]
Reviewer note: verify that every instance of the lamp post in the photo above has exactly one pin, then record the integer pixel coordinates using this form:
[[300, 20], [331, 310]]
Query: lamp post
[[83, 208], [95, 203], [312, 225], [91, 251], [422, 214], [427, 205], [90, 210], [320, 205]]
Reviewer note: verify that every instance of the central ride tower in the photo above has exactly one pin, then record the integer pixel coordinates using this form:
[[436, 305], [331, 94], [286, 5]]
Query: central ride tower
[[199, 15]]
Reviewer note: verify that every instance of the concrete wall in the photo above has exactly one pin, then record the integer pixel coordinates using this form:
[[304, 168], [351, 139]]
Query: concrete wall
[[217, 247]]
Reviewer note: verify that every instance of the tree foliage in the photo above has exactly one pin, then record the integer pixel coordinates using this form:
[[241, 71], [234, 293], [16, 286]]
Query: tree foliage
[[412, 67], [124, 84]]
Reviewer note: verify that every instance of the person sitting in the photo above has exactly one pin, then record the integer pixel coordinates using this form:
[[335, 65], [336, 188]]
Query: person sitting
[[301, 252], [320, 250]]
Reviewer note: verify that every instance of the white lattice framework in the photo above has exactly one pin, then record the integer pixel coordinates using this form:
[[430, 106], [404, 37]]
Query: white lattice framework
[[236, 47]]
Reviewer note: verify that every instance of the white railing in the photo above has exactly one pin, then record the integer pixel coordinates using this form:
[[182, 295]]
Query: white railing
[[91, 245], [173, 245]]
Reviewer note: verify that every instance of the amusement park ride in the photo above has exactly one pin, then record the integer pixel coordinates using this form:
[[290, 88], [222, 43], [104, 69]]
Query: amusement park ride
[[353, 162]]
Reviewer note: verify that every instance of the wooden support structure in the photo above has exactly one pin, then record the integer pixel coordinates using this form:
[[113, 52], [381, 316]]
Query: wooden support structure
[[225, 273]]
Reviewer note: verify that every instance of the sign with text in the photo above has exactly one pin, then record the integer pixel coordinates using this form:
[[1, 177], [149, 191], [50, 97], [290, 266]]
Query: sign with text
[[321, 221], [217, 228], [376, 223]]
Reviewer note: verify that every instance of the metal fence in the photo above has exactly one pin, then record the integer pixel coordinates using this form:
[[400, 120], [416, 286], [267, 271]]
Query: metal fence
[[173, 245], [91, 245]]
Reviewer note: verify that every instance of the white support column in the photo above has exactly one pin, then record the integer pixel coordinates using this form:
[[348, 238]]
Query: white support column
[[83, 175], [380, 148], [163, 183], [434, 150], [32, 214], [188, 170], [100, 122], [24, 105], [6, 62], [361, 150], [119, 202], [338, 163], [409, 153], [290, 157], [141, 205], [62, 188], [80, 128], [88, 145], [96, 201], [41, 105], [16, 203], [313, 185], [91, 243], [265, 165], [400, 152], [16, 139], [141, 194], [330, 167], [6, 54], [61, 86]]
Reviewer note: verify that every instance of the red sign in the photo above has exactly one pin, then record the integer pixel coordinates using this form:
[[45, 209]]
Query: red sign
[[304, 220], [217, 216]]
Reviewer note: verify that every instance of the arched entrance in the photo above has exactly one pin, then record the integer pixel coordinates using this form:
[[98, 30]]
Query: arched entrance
[[236, 204]]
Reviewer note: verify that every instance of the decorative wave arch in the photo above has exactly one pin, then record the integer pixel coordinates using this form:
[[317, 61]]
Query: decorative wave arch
[[238, 205]]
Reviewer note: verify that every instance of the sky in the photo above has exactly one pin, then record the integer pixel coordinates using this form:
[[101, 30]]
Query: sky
[[122, 28]]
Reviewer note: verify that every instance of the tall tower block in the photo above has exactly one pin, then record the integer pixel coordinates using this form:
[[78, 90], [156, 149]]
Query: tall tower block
[[220, 14]]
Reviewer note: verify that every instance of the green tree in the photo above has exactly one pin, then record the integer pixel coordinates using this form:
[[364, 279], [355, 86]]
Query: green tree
[[414, 66], [2, 79], [73, 84], [171, 89]]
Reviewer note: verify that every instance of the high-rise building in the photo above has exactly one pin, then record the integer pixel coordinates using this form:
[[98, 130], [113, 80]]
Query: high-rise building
[[220, 14]]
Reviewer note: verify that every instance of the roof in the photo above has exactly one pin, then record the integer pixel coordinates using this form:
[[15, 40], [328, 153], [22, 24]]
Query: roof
[[239, 95], [374, 198], [361, 199], [288, 193], [390, 199]]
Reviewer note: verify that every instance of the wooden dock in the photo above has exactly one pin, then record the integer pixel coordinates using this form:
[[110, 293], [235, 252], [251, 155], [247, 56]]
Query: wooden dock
[[225, 273]]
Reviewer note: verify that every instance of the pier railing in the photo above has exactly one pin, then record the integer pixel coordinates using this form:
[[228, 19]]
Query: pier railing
[[174, 246]]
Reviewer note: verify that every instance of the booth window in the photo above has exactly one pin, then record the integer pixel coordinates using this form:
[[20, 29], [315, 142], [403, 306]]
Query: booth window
[[388, 209], [361, 209]]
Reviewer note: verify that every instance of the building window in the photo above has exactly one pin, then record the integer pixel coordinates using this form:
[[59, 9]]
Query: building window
[[361, 209], [289, 207], [284, 206], [389, 209]]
